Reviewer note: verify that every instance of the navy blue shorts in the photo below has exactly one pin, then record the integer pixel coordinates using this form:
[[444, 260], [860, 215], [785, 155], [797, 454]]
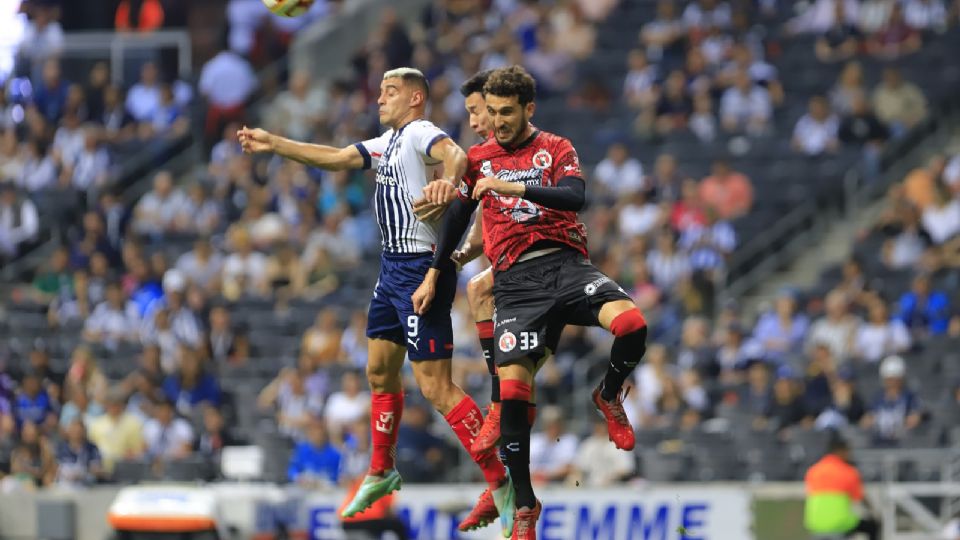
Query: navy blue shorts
[[391, 316]]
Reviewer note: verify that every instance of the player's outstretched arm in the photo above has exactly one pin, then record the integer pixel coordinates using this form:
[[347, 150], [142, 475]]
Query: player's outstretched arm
[[256, 140], [454, 224]]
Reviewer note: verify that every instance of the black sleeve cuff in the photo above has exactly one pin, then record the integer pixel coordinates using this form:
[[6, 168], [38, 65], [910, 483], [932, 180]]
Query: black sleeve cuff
[[367, 162]]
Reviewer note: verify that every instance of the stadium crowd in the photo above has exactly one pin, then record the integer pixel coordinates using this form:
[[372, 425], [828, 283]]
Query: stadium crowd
[[154, 285]]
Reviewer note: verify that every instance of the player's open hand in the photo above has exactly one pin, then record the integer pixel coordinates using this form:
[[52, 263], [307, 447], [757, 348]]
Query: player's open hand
[[255, 140], [427, 211], [440, 192], [488, 184]]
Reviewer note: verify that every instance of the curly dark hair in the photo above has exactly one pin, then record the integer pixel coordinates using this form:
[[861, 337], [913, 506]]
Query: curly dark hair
[[475, 84], [512, 81]]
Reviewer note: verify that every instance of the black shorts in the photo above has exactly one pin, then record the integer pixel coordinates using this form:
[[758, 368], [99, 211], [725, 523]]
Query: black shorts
[[536, 299]]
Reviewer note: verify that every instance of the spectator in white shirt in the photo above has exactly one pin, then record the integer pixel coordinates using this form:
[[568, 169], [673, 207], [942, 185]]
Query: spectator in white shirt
[[167, 436], [639, 216], [294, 401], [114, 320], [226, 82], [92, 165], [348, 405], [667, 265], [745, 106], [925, 15], [553, 450], [819, 17], [143, 98], [837, 329], [244, 270], [331, 246], [702, 14], [42, 36], [619, 173], [202, 265], [710, 244], [19, 221], [816, 131], [68, 141], [156, 211], [941, 219], [881, 336], [199, 214], [639, 86], [39, 169], [599, 463], [297, 111], [703, 123]]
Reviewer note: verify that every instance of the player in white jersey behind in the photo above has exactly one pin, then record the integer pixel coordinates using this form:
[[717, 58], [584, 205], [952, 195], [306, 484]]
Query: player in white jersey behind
[[405, 157]]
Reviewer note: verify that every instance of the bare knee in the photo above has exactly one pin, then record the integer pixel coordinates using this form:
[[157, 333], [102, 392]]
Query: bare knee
[[480, 296]]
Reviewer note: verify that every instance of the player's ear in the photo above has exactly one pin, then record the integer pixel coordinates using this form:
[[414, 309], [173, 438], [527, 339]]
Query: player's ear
[[417, 98], [530, 109]]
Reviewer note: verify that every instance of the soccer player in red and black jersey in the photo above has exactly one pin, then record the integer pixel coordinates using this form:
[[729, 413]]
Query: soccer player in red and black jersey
[[531, 188]]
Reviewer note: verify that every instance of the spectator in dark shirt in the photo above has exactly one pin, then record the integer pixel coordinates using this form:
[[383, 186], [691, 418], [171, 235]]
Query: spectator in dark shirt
[[50, 379], [33, 404], [846, 405], [78, 459], [214, 435], [675, 105], [862, 126], [755, 394], [315, 461], [785, 408], [420, 453], [841, 41], [191, 386], [50, 96], [923, 310], [227, 342]]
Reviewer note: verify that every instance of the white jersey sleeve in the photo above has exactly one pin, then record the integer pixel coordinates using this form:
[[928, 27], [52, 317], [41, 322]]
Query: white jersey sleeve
[[372, 149], [424, 135]]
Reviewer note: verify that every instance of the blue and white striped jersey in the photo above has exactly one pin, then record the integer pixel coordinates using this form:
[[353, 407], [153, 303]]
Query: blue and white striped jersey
[[404, 167]]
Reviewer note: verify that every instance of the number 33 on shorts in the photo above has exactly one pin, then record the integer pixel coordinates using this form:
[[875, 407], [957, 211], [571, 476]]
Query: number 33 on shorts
[[528, 341]]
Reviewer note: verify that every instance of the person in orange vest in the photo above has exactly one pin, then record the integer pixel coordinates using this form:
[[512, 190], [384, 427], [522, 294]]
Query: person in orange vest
[[377, 519], [139, 15], [833, 487]]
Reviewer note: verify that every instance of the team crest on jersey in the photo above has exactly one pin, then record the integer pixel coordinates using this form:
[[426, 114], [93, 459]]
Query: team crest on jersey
[[508, 342], [542, 159], [486, 168]]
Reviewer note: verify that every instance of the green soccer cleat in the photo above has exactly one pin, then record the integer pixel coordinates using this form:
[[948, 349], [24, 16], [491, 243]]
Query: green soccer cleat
[[504, 498], [371, 490]]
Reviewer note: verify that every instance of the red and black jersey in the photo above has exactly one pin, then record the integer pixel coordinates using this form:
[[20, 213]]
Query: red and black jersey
[[512, 225]]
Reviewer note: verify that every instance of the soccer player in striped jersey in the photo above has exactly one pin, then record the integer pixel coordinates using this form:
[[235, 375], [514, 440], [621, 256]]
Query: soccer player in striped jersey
[[407, 157]]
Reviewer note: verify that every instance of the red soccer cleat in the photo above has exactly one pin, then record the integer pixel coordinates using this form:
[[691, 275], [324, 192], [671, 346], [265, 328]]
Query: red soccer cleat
[[483, 514], [525, 523], [489, 436], [618, 425]]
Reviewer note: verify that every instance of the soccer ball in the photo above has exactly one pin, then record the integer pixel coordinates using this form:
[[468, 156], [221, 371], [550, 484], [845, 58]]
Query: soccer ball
[[288, 8]]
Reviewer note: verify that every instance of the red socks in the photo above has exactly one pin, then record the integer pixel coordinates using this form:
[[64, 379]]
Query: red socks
[[385, 413], [466, 419]]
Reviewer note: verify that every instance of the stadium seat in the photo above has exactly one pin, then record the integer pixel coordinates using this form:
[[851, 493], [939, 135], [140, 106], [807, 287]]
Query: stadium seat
[[131, 472]]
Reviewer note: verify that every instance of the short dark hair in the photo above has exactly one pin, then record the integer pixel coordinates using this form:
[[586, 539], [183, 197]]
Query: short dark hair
[[410, 76], [512, 81], [837, 444], [476, 83]]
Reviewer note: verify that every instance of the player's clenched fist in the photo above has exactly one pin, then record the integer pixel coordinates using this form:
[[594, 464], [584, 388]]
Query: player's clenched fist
[[489, 183], [255, 140], [440, 192]]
